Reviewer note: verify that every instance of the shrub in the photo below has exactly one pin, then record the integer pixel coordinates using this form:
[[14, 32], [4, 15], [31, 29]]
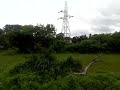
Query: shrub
[[70, 65], [42, 69], [101, 81]]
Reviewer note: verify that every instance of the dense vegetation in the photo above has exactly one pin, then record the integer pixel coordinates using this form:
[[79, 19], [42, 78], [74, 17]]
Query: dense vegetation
[[29, 39], [40, 69], [9, 59], [43, 71]]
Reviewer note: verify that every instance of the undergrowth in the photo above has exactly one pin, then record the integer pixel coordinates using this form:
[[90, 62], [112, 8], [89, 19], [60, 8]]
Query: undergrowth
[[44, 72]]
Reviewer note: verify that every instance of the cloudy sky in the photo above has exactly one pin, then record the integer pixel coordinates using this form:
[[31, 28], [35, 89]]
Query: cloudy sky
[[90, 16]]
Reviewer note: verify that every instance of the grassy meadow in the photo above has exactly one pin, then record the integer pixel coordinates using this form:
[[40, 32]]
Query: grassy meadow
[[9, 59], [27, 76], [110, 62]]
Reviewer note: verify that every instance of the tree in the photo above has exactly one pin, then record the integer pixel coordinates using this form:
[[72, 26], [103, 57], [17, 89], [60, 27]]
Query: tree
[[44, 35], [79, 39], [102, 38], [1, 31], [12, 28], [4, 41], [89, 46], [59, 46], [23, 41], [113, 44], [60, 36]]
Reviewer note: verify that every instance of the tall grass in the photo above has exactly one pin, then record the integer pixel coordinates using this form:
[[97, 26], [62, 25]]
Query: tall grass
[[39, 70], [46, 72], [110, 62]]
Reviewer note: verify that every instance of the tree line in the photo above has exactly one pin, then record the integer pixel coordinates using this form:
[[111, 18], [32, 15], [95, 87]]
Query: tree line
[[41, 38]]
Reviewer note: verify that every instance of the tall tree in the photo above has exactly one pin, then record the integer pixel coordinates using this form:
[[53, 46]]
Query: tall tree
[[1, 31], [12, 28]]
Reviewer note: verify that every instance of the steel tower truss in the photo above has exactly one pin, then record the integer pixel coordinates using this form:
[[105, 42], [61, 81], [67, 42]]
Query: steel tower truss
[[65, 25]]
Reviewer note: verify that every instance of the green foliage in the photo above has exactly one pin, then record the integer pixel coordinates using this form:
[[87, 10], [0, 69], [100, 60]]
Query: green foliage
[[23, 41], [71, 65], [12, 28], [9, 58], [79, 39], [102, 38], [100, 81], [114, 42], [44, 36], [89, 46], [60, 36], [24, 81], [1, 31], [96, 43], [86, 46], [44, 73], [5, 40], [111, 62], [31, 81], [29, 39], [45, 67], [59, 46]]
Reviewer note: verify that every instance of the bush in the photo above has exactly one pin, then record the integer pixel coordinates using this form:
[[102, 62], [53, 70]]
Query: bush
[[24, 81], [89, 46], [70, 65], [101, 81], [40, 70], [44, 72]]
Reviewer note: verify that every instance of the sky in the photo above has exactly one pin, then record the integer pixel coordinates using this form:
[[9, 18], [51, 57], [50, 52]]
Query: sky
[[90, 16]]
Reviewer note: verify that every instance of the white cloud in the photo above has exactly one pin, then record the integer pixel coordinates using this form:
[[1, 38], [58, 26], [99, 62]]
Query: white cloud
[[108, 19], [90, 16]]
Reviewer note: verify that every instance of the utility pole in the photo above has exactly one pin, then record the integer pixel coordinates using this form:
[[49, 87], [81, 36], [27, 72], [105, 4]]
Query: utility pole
[[65, 25]]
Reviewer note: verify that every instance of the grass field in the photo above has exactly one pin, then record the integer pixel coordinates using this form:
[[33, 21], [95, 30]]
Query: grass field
[[8, 59], [111, 62]]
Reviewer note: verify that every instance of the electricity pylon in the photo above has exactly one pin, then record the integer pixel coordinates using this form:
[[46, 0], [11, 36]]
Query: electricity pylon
[[65, 25]]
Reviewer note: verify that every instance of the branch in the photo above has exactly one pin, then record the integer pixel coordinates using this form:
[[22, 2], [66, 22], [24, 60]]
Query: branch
[[96, 59]]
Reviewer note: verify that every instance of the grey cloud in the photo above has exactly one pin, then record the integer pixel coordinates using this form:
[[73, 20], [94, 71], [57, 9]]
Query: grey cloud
[[110, 11], [108, 17], [81, 32], [113, 8], [107, 20], [102, 29], [104, 24]]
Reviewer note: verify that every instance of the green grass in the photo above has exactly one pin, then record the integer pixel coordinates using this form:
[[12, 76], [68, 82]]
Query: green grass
[[111, 62], [8, 59], [30, 80]]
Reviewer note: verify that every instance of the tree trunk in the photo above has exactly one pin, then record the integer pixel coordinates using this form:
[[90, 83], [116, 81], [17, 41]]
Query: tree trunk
[[92, 62]]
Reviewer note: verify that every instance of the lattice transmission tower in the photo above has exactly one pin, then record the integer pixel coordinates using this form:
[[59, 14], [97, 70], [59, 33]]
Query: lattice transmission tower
[[65, 25]]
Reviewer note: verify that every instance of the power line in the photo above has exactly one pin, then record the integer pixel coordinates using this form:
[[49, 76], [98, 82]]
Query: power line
[[65, 25]]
